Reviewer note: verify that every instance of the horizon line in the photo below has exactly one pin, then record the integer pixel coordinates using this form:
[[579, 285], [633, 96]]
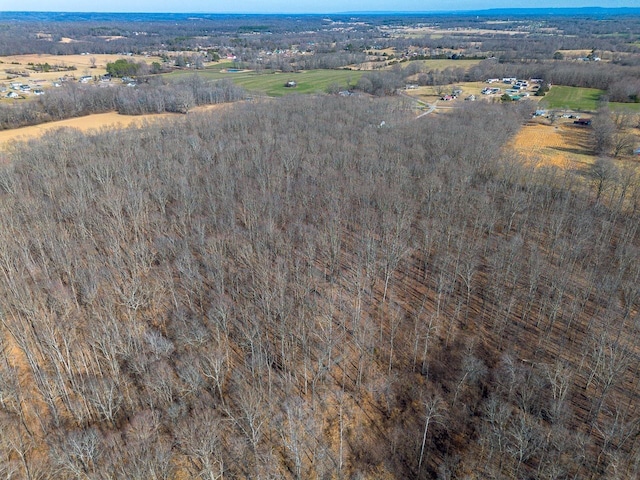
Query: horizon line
[[357, 12]]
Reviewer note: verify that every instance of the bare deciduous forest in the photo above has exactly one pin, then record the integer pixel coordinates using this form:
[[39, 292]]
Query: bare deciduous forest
[[289, 290], [325, 286]]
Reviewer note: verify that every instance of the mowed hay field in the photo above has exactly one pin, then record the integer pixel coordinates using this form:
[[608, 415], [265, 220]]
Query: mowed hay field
[[99, 121], [563, 145], [85, 124]]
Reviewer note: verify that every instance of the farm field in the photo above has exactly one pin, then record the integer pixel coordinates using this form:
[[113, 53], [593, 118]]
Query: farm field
[[574, 98], [563, 146], [99, 121], [272, 84], [82, 64], [441, 64], [91, 122], [581, 99]]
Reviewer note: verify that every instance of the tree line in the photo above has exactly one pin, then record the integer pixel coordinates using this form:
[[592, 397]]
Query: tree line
[[154, 96]]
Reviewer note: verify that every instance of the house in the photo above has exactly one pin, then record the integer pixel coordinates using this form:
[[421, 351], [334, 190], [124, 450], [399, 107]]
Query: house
[[471, 98], [38, 91], [447, 98], [291, 84], [583, 122], [492, 80], [13, 95], [85, 79]]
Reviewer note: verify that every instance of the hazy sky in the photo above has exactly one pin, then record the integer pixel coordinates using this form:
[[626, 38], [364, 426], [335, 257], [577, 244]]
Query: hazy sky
[[291, 6]]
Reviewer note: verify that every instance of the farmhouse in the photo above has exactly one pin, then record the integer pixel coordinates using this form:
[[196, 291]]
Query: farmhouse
[[291, 84]]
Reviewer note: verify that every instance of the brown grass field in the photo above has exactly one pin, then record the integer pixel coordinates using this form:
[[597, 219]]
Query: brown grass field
[[82, 63], [441, 32], [561, 145], [90, 123], [85, 124]]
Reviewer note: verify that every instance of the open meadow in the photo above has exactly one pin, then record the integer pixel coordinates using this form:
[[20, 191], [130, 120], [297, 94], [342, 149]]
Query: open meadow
[[563, 145], [273, 84], [91, 124], [574, 98]]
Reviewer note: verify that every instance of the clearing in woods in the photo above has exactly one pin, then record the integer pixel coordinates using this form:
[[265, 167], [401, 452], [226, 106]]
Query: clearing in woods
[[563, 145]]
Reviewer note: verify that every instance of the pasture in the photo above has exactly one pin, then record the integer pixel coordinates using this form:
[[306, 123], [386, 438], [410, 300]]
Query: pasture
[[573, 98], [273, 84], [581, 100], [563, 146], [444, 63]]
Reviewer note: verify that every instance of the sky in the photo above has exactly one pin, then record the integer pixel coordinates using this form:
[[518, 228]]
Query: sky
[[294, 6]]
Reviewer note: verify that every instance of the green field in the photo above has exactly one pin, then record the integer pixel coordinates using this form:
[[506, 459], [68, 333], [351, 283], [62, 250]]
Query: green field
[[632, 107], [574, 98], [272, 84], [581, 99]]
